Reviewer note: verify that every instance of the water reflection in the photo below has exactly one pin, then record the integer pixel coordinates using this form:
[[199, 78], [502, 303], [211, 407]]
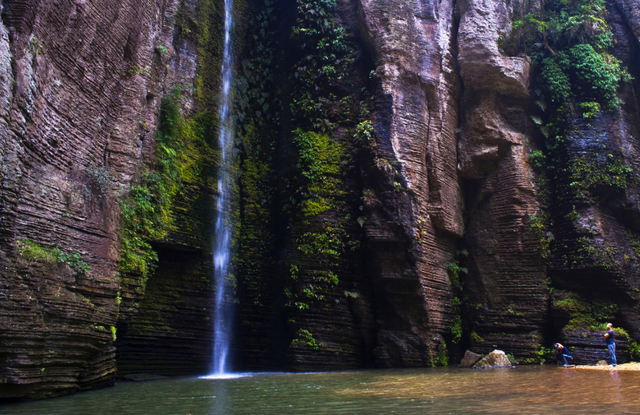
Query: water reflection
[[433, 391], [614, 385]]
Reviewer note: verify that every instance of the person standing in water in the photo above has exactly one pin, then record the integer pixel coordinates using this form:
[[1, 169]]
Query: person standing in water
[[611, 343]]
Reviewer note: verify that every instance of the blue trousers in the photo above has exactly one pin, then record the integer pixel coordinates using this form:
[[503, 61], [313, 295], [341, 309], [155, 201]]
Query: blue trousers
[[612, 353], [563, 358]]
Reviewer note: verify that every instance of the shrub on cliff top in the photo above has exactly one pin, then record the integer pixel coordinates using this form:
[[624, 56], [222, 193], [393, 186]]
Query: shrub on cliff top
[[570, 40]]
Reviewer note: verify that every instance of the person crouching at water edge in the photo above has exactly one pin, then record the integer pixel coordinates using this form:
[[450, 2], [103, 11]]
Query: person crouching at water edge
[[562, 354], [611, 343]]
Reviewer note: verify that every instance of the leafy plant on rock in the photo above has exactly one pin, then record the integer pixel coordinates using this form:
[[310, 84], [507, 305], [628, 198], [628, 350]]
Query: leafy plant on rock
[[35, 252]]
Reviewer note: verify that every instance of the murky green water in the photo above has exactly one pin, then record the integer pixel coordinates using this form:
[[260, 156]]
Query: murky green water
[[530, 390]]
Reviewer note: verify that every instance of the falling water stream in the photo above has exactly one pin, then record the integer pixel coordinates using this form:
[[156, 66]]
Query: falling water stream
[[223, 313]]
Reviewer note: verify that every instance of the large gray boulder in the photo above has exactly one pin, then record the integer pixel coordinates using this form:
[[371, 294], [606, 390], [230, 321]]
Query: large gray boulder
[[496, 358]]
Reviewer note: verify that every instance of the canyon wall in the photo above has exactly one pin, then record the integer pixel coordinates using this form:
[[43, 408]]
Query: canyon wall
[[82, 85], [399, 194]]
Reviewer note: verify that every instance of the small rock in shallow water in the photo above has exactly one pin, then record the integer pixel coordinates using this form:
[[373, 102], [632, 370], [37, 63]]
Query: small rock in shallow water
[[496, 358], [602, 363], [469, 359]]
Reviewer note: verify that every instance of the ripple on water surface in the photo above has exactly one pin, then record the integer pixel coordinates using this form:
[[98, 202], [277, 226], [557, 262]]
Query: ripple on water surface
[[529, 390]]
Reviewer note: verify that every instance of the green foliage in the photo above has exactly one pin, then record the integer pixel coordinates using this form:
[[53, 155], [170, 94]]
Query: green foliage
[[588, 176], [591, 109], [592, 316], [512, 359], [113, 332], [545, 354], [327, 104], [455, 271], [318, 157], [319, 163], [305, 338], [441, 358], [456, 329], [36, 46], [161, 49], [539, 224], [634, 351], [570, 40], [32, 251], [583, 74], [146, 211], [364, 132], [257, 114], [556, 80], [591, 251], [634, 240], [351, 294], [620, 333], [142, 221], [326, 61], [475, 338], [537, 159], [597, 74], [138, 70]]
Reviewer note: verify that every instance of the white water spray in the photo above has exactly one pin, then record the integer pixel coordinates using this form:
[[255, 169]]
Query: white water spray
[[223, 310]]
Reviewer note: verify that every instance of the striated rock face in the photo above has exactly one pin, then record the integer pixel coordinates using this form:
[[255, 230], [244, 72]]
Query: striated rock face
[[589, 347], [506, 271], [596, 232], [414, 212], [81, 84], [389, 209]]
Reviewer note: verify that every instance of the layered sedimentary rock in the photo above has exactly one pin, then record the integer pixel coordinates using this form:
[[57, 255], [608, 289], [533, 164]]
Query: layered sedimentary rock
[[414, 211], [82, 84], [595, 232], [506, 271], [419, 221]]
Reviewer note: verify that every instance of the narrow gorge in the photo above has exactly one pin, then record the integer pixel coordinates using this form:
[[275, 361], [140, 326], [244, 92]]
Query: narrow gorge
[[396, 182]]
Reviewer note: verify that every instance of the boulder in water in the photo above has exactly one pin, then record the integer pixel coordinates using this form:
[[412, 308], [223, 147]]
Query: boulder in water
[[470, 359], [602, 363], [496, 358]]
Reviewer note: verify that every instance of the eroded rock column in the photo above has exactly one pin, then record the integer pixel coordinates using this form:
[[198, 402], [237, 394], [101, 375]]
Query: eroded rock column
[[414, 205], [506, 270]]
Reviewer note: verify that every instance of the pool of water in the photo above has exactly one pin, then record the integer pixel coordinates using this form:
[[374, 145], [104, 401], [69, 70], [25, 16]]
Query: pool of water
[[530, 390]]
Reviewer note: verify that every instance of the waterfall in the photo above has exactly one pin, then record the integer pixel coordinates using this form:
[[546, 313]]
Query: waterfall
[[223, 310]]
